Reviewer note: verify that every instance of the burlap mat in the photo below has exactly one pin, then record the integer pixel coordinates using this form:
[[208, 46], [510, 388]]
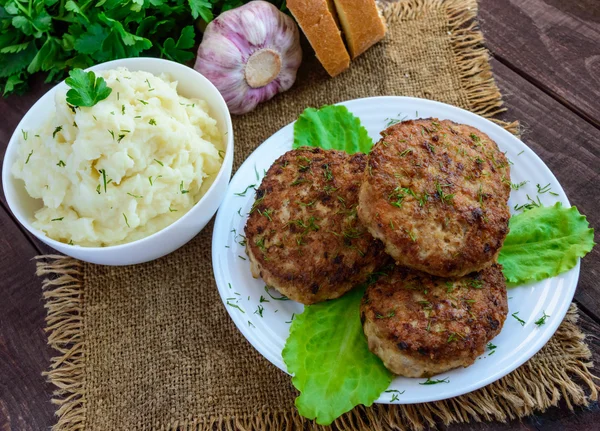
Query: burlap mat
[[152, 347]]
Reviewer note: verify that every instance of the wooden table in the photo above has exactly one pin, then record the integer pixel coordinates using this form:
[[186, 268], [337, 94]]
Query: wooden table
[[546, 59]]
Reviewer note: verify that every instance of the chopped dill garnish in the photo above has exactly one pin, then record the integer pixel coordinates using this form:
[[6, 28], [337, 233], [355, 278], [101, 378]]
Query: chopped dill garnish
[[521, 153], [425, 304], [56, 130], [61, 164], [302, 204], [521, 321], [263, 299], [24, 134], [126, 222], [544, 189], [453, 337], [299, 181], [143, 102], [327, 173], [112, 134], [259, 310], [387, 316], [405, 152], [152, 122], [529, 205], [475, 284], [57, 219], [104, 181], [292, 319], [435, 382], [241, 257], [267, 213], [304, 159], [98, 189], [251, 324], [281, 298], [518, 186], [542, 320], [256, 172], [120, 138], [181, 188], [28, 157], [159, 162], [256, 204], [150, 179], [235, 306], [396, 197], [134, 196], [171, 210], [251, 186], [445, 198]]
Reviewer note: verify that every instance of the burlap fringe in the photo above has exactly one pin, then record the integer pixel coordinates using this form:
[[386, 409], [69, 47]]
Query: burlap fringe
[[471, 56], [62, 291], [526, 389]]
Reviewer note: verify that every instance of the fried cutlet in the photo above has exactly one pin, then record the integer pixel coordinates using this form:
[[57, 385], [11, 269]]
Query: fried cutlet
[[436, 192], [303, 235], [421, 325]]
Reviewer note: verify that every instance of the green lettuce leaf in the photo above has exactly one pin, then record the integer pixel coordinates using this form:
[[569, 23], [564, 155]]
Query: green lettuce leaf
[[328, 355], [331, 128], [544, 242]]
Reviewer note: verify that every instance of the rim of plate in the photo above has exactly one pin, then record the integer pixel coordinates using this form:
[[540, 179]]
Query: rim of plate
[[444, 111]]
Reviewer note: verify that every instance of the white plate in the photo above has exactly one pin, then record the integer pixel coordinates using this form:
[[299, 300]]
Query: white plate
[[267, 333]]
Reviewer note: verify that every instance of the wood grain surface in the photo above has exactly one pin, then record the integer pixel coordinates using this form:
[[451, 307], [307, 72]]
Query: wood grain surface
[[546, 59]]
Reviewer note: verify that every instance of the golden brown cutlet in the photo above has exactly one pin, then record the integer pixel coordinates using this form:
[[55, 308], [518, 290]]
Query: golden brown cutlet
[[303, 234], [436, 192]]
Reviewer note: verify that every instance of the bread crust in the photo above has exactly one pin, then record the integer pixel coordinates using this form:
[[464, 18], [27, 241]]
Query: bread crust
[[317, 19], [362, 24]]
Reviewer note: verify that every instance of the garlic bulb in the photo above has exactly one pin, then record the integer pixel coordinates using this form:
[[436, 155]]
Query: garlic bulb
[[250, 54]]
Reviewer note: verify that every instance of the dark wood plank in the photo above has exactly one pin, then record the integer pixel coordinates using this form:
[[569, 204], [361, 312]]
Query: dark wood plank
[[570, 147], [556, 418], [556, 43], [24, 354]]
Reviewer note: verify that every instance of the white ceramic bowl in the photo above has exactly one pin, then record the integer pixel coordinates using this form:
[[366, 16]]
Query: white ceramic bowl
[[191, 84]]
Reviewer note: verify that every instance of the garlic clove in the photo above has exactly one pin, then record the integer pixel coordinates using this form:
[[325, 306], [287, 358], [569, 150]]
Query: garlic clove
[[250, 54]]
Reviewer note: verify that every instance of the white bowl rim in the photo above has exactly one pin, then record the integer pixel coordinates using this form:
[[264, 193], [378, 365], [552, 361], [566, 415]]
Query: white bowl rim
[[123, 62]]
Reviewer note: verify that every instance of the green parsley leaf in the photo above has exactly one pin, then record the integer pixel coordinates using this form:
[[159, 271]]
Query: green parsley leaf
[[86, 88], [179, 51], [333, 368], [331, 127], [544, 242], [201, 8]]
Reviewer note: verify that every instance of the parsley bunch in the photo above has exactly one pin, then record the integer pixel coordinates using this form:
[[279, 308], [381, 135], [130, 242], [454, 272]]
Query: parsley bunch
[[54, 36]]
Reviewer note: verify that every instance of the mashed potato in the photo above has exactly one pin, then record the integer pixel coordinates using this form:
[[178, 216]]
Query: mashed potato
[[124, 168]]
